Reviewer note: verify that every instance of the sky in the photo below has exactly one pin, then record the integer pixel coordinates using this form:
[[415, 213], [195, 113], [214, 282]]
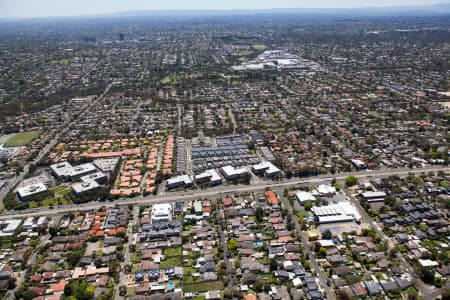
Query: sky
[[49, 8]]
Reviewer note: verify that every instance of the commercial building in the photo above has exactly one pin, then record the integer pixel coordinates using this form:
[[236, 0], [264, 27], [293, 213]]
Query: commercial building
[[9, 227], [107, 164], [98, 177], [65, 171], [336, 213], [85, 186], [266, 168], [374, 196], [30, 192], [161, 213], [231, 173], [209, 176], [179, 181], [303, 196]]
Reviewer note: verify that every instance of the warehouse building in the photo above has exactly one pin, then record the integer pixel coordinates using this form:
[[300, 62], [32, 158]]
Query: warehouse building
[[336, 213]]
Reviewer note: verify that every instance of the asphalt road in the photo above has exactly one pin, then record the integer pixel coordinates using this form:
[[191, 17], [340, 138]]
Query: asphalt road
[[213, 192]]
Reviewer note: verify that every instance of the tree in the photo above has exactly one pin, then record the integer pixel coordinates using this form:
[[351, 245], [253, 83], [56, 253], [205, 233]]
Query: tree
[[427, 275], [351, 181], [445, 294], [273, 265], [327, 235], [233, 245], [308, 205], [259, 214]]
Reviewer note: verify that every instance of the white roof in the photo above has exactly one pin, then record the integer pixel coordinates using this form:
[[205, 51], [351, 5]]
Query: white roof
[[209, 173], [269, 167], [340, 212], [30, 190], [179, 179], [326, 243], [62, 169], [11, 225], [84, 186], [326, 189], [93, 176], [83, 169], [65, 169], [374, 194], [231, 171], [428, 263], [303, 196], [161, 211]]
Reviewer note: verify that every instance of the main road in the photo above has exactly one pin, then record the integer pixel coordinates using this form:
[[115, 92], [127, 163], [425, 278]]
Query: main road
[[216, 192]]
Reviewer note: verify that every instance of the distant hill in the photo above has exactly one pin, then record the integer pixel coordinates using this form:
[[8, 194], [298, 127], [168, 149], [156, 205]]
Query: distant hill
[[417, 10], [434, 9]]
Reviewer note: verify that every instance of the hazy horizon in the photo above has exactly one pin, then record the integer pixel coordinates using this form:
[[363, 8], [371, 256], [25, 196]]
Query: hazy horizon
[[54, 8]]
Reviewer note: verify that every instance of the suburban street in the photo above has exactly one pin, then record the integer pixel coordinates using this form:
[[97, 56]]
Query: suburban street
[[312, 258]]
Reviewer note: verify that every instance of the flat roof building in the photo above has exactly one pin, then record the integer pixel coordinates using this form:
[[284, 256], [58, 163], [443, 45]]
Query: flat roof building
[[161, 213], [303, 196], [374, 196], [336, 213], [210, 176], [231, 173], [65, 171], [98, 177], [266, 168], [31, 191], [107, 164], [84, 186], [178, 181], [9, 227]]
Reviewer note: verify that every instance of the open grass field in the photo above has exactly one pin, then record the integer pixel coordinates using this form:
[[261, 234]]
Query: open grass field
[[201, 287], [22, 138], [5, 138], [259, 47]]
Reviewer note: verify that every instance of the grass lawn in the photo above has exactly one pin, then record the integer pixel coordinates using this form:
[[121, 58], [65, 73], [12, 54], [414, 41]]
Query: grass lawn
[[171, 262], [131, 291], [259, 47], [201, 287], [173, 251], [5, 138], [22, 138], [61, 190], [198, 298]]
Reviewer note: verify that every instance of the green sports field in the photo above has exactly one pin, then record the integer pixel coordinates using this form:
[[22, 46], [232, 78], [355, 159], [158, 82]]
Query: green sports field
[[22, 138]]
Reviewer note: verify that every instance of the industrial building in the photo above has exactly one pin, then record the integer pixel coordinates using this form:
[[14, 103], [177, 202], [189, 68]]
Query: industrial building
[[336, 213]]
